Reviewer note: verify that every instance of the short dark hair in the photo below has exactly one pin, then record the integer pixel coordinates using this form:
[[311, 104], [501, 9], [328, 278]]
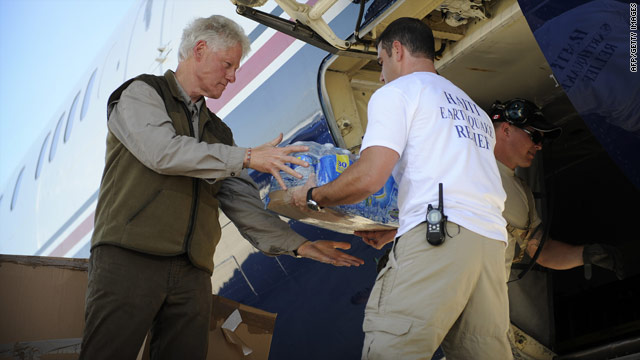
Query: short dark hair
[[412, 33]]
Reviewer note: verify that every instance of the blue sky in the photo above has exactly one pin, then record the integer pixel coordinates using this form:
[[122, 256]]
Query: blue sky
[[45, 48]]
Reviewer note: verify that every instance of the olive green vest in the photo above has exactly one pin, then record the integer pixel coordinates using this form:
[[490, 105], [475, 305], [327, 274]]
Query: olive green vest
[[142, 210]]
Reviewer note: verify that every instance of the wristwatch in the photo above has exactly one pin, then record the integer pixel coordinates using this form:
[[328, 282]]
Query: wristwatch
[[311, 204]]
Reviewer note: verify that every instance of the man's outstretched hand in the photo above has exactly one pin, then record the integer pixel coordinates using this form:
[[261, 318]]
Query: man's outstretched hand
[[326, 251], [268, 158]]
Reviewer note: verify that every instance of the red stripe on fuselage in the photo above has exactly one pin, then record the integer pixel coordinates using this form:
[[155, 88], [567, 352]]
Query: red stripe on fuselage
[[80, 232]]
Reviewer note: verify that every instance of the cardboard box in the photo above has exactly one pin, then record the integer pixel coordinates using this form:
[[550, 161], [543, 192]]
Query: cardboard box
[[236, 327], [42, 314], [326, 218], [236, 332], [41, 307]]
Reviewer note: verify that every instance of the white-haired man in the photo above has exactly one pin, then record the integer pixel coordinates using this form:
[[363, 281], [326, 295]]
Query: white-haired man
[[170, 163]]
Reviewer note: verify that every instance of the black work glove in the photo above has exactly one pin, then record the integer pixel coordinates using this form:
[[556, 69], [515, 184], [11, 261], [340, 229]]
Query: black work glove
[[605, 256]]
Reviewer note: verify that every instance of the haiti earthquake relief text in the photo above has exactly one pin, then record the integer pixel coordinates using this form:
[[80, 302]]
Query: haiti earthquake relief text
[[469, 121]]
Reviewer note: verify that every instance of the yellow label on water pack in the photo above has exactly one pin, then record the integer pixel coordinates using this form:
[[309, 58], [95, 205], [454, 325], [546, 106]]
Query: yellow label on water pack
[[342, 162], [380, 194]]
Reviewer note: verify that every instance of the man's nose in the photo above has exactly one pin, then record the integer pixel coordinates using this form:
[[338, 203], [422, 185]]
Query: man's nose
[[231, 76]]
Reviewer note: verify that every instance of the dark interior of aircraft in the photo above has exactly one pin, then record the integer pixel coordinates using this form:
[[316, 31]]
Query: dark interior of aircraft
[[585, 198], [592, 202]]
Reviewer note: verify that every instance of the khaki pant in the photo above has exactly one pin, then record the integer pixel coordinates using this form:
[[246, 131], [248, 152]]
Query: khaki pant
[[454, 294], [525, 347], [130, 292]]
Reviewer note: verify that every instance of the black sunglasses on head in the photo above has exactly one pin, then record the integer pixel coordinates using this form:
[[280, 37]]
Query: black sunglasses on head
[[536, 136]]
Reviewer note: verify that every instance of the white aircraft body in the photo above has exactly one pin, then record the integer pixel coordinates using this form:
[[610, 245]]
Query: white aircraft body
[[313, 83]]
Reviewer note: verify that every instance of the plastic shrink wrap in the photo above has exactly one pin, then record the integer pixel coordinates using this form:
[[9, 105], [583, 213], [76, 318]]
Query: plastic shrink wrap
[[328, 162]]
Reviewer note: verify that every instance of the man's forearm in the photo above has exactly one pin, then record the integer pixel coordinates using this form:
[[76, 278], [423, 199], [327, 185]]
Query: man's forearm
[[352, 186], [363, 178], [557, 255], [240, 201]]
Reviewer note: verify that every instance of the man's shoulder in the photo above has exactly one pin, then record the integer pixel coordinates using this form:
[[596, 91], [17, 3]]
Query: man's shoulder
[[152, 80], [421, 83], [523, 184], [155, 81], [404, 85], [417, 78]]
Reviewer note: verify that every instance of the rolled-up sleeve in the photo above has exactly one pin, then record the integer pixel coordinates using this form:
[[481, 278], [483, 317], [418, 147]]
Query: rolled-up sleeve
[[140, 121], [240, 201]]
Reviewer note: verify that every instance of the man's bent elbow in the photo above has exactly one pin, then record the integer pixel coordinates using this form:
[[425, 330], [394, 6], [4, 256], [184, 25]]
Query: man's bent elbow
[[369, 184]]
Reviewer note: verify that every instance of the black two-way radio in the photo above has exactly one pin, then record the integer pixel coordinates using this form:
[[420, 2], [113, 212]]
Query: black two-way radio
[[436, 221]]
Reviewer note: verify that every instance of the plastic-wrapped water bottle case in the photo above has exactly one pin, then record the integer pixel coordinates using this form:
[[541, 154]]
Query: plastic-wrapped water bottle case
[[328, 162]]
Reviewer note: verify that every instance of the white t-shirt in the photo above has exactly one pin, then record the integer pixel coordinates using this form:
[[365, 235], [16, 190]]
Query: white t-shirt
[[442, 136]]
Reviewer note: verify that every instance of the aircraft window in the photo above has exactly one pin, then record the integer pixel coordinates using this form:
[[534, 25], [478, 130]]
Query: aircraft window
[[56, 136], [41, 157], [147, 14], [72, 113], [87, 96], [16, 189]]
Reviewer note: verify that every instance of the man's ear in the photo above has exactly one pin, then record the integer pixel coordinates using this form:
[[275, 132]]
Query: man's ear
[[199, 50], [397, 50], [502, 129], [505, 128]]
